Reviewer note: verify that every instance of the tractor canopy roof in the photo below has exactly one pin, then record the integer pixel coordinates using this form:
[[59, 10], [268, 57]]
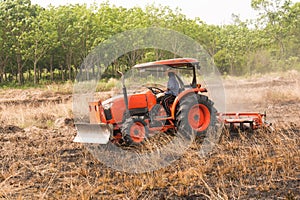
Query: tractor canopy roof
[[174, 63]]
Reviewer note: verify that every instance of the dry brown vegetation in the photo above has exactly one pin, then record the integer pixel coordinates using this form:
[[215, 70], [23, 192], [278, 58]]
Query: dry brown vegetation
[[38, 159]]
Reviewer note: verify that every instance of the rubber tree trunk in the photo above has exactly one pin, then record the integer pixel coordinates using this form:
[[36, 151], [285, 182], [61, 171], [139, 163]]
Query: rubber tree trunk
[[51, 68], [20, 70], [34, 73]]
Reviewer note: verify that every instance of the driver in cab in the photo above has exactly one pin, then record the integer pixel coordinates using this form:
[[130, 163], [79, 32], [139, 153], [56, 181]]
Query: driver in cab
[[168, 97]]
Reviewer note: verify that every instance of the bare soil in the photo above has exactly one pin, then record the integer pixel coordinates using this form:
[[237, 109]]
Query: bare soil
[[40, 161]]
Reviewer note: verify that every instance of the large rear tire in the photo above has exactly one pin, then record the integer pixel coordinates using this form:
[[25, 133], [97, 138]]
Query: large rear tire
[[196, 115]]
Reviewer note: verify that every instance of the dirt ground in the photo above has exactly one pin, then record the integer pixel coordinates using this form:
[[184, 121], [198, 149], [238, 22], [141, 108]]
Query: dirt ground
[[38, 159]]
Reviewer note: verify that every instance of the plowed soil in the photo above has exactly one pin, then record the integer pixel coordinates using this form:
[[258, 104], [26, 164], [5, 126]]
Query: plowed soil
[[38, 159]]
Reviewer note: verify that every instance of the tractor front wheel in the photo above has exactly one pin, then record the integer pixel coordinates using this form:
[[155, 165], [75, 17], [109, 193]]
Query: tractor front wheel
[[135, 131]]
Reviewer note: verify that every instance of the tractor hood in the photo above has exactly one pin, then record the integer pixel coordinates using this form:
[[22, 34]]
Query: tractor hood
[[109, 102], [115, 107]]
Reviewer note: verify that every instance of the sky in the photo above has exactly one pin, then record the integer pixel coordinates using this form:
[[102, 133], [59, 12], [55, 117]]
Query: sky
[[218, 12]]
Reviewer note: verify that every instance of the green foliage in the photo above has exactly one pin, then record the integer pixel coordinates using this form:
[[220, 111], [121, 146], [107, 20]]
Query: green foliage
[[106, 85], [42, 45]]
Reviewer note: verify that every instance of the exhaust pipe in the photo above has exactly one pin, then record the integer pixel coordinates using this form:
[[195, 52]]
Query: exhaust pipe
[[124, 89]]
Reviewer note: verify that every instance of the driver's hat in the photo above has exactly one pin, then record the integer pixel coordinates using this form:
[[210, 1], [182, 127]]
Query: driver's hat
[[170, 70]]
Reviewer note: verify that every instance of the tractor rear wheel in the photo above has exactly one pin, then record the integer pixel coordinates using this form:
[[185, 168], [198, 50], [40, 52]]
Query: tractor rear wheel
[[135, 131], [195, 115]]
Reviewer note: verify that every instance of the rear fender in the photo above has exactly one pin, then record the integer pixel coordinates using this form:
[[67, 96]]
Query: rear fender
[[184, 94]]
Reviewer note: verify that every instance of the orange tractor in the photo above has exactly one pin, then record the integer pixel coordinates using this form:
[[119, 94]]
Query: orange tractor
[[131, 119]]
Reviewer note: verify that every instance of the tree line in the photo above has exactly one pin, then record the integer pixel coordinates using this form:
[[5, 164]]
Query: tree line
[[49, 44]]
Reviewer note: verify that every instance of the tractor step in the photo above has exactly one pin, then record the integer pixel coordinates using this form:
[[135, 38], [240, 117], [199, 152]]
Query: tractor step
[[160, 118]]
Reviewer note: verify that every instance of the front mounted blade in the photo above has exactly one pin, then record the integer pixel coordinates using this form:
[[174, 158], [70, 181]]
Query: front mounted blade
[[92, 133]]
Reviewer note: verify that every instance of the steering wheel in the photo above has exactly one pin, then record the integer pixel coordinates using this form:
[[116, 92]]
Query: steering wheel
[[155, 90]]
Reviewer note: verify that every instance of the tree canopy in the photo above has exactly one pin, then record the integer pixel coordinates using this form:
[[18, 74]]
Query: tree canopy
[[49, 44]]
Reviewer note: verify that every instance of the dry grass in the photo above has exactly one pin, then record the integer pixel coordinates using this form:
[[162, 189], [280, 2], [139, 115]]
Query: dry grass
[[42, 162], [35, 107], [264, 93], [45, 164], [43, 116]]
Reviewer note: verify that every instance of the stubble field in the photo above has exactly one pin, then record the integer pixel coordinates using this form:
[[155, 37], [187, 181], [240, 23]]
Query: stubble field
[[38, 159]]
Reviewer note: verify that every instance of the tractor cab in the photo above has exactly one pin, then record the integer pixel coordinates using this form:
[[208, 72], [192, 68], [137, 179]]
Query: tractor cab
[[184, 65]]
